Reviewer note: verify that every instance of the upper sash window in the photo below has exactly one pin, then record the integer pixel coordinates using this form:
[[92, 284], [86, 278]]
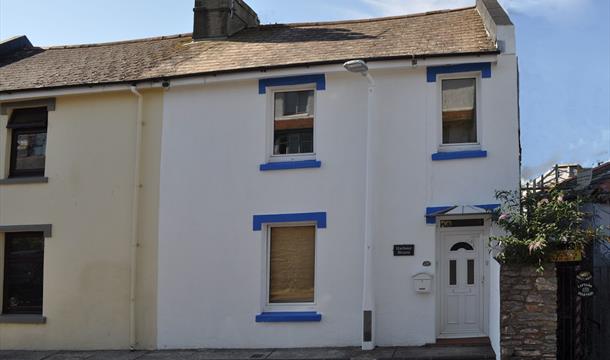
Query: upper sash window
[[459, 111], [293, 122]]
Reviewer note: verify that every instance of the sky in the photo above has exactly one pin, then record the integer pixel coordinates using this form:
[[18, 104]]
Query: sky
[[563, 48]]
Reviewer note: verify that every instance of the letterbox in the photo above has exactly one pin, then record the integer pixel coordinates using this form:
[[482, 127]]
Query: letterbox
[[422, 283]]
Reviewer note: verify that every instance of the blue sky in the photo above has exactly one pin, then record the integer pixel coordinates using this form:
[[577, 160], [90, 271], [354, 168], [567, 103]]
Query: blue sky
[[563, 47]]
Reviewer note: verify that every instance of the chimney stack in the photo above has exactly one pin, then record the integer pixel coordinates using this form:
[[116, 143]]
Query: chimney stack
[[222, 18]]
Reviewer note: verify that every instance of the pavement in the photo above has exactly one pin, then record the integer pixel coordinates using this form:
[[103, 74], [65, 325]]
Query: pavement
[[399, 353]]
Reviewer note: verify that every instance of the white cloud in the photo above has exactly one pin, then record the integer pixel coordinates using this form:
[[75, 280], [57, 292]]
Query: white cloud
[[545, 8]]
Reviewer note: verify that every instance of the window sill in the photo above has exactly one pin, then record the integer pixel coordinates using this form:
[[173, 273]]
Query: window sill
[[305, 316], [24, 180], [290, 165], [454, 155], [22, 319]]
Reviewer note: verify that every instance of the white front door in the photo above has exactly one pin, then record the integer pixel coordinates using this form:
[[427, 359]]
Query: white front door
[[462, 307]]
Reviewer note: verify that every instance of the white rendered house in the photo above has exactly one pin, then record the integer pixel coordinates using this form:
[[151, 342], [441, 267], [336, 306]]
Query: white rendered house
[[302, 183]]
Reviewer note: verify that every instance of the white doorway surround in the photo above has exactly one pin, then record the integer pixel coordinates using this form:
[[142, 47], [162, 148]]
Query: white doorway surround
[[462, 268]]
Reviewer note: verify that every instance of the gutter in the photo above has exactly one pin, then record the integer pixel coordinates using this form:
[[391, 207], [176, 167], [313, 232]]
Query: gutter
[[135, 207]]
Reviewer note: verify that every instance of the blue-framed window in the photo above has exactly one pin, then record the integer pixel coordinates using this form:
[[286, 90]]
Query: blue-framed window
[[292, 100], [290, 240]]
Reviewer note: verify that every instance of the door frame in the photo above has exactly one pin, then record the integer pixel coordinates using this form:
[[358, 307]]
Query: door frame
[[484, 257]]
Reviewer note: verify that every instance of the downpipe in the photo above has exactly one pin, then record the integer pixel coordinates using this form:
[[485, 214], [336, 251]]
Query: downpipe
[[135, 207]]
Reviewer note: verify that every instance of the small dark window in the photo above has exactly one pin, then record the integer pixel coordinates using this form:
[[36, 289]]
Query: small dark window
[[452, 272], [293, 122], [470, 274], [28, 141], [462, 223], [23, 268], [462, 245]]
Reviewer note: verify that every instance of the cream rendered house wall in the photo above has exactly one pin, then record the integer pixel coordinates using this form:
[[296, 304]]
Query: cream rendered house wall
[[88, 200]]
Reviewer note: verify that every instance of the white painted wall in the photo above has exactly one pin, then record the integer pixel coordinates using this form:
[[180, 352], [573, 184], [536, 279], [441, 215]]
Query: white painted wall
[[211, 263]]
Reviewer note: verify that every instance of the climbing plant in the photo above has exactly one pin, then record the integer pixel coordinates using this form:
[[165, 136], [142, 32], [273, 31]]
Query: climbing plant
[[538, 225]]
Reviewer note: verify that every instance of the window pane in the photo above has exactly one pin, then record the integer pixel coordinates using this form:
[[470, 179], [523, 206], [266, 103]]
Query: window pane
[[297, 141], [23, 271], [462, 246], [294, 103], [459, 111], [452, 272], [28, 154], [291, 270], [470, 272]]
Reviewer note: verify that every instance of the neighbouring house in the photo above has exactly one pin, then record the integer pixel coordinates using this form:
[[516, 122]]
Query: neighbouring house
[[256, 186]]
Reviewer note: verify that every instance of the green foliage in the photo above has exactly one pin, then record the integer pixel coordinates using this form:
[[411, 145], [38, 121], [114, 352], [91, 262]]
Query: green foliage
[[539, 224]]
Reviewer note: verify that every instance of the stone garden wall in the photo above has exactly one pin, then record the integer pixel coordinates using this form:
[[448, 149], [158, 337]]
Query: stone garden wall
[[528, 312]]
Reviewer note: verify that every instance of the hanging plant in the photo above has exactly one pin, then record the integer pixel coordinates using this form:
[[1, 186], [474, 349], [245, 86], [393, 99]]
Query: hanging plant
[[540, 226]]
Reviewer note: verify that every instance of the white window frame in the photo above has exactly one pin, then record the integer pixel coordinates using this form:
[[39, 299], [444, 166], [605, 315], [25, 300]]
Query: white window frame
[[271, 91], [289, 307], [439, 111]]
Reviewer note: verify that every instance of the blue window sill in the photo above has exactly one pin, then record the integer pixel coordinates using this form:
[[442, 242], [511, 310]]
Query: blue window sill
[[305, 316], [454, 155], [290, 165]]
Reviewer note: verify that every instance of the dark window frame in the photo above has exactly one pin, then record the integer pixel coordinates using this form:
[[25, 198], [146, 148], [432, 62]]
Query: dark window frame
[[25, 129], [14, 172], [25, 310]]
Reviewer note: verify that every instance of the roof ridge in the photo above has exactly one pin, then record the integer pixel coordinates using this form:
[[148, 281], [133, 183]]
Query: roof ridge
[[263, 26], [376, 19], [78, 46]]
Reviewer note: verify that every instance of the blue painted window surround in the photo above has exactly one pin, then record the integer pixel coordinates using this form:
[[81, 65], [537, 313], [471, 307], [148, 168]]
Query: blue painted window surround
[[318, 217], [454, 155], [318, 79], [483, 67], [290, 165], [301, 316], [433, 212]]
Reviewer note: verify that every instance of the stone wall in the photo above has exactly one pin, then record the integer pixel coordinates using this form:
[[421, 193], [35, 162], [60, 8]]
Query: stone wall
[[528, 312]]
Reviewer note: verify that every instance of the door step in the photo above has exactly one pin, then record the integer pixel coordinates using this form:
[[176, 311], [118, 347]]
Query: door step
[[474, 341]]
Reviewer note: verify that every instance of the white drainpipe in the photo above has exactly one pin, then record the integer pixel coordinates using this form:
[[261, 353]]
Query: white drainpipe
[[135, 205]]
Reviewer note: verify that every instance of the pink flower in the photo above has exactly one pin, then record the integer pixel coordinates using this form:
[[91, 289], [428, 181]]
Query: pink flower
[[504, 217]]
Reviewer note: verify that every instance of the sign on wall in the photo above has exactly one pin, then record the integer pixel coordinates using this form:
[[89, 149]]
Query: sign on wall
[[585, 284], [404, 250]]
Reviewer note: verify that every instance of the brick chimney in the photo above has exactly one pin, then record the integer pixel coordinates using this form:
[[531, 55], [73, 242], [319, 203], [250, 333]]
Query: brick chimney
[[222, 18]]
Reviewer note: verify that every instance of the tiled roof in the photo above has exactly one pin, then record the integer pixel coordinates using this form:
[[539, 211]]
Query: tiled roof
[[269, 46]]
